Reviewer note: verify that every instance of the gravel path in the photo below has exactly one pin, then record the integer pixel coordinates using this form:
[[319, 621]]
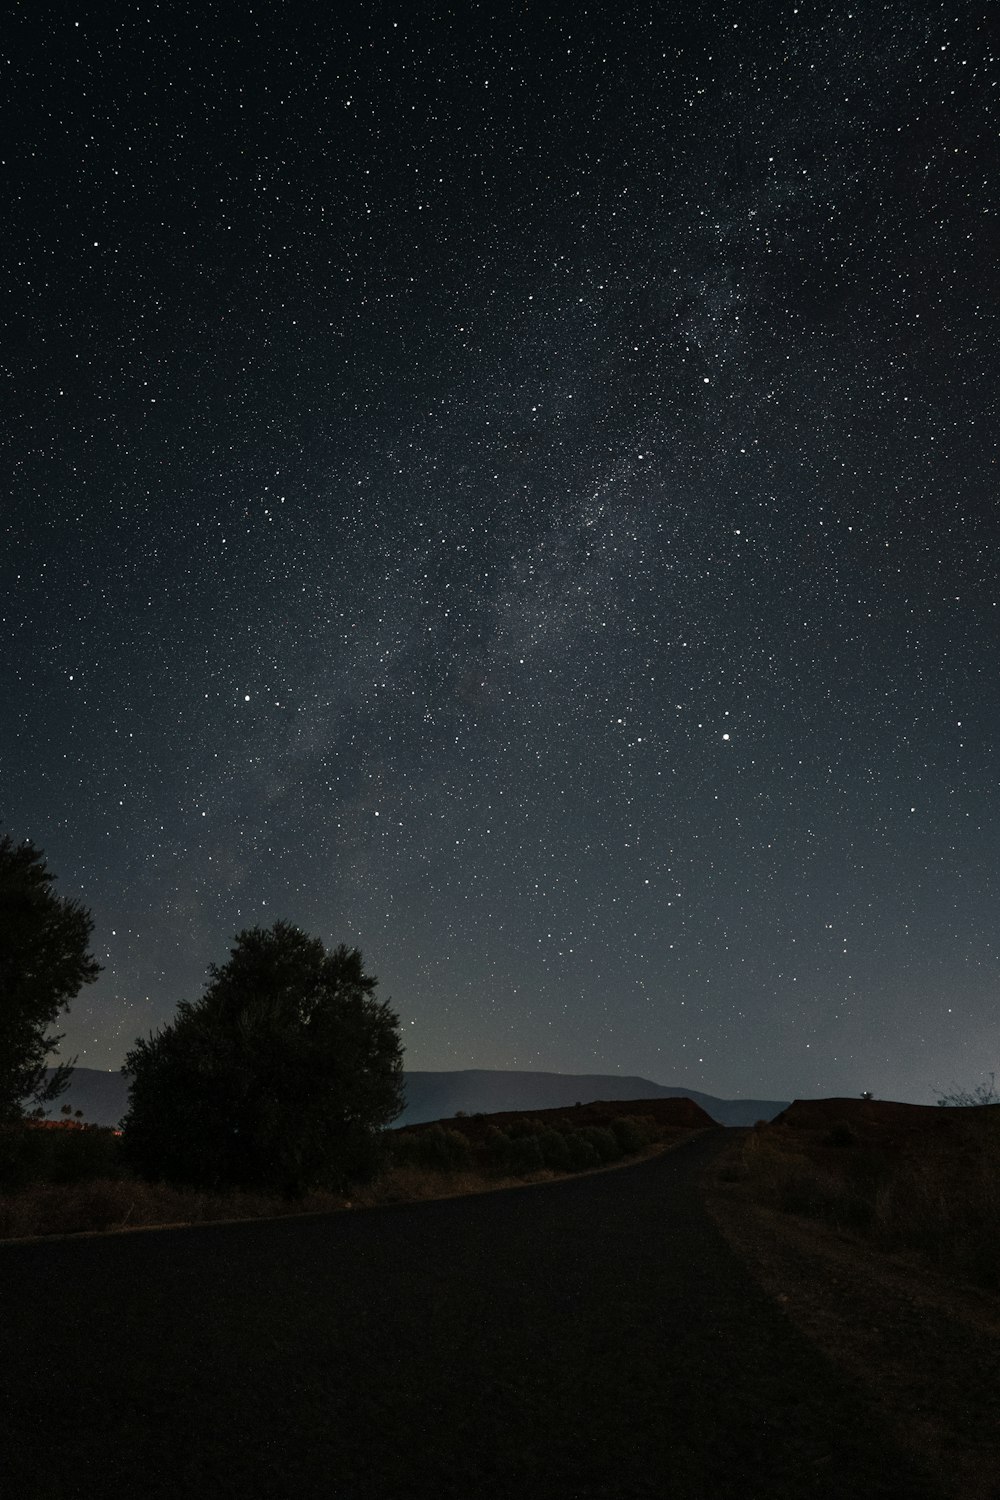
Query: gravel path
[[591, 1338]]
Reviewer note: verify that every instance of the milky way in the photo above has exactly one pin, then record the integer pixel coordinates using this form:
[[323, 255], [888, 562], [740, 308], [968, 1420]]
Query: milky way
[[517, 492]]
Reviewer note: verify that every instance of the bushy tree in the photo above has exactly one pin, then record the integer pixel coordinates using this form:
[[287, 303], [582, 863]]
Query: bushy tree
[[44, 963], [280, 1077]]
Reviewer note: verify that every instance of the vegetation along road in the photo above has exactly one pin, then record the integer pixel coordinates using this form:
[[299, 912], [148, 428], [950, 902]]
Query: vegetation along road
[[590, 1338]]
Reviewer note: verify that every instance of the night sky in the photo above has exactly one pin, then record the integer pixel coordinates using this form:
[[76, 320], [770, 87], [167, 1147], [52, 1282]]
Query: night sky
[[515, 490]]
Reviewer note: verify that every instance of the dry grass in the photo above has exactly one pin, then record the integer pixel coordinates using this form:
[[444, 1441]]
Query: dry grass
[[935, 1192], [946, 1205], [107, 1204], [104, 1205], [420, 1185]]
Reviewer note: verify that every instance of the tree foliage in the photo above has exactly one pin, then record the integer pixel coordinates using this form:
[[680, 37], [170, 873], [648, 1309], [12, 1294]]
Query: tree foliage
[[279, 1078], [44, 963]]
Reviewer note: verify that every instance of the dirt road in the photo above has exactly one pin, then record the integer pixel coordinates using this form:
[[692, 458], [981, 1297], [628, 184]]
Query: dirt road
[[591, 1338]]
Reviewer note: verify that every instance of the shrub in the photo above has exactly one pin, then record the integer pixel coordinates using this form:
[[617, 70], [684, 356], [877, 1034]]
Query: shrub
[[526, 1154], [633, 1132], [497, 1149], [83, 1155], [555, 1152], [606, 1148], [438, 1149], [29, 1154], [582, 1154], [21, 1154]]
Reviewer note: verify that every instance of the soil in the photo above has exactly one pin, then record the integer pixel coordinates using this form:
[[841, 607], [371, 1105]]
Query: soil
[[925, 1350]]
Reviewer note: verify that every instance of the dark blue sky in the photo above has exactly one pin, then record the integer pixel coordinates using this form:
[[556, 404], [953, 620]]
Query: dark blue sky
[[517, 492]]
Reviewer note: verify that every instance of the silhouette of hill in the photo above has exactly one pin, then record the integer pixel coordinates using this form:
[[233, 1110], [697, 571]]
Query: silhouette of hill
[[436, 1096], [103, 1097], [676, 1114], [820, 1114]]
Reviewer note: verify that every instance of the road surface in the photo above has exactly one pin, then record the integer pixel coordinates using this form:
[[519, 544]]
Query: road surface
[[595, 1337]]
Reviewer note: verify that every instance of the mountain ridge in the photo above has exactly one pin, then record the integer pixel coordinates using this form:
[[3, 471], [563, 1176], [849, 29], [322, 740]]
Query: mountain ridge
[[439, 1095]]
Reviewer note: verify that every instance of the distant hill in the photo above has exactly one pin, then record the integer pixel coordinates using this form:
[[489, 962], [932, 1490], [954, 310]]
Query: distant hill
[[675, 1114], [103, 1097], [436, 1096]]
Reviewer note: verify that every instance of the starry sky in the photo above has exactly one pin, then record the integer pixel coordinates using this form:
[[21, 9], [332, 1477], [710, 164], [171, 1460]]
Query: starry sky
[[513, 488]]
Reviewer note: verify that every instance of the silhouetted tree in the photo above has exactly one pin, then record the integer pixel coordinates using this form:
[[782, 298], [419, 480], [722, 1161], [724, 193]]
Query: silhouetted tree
[[44, 963], [280, 1077]]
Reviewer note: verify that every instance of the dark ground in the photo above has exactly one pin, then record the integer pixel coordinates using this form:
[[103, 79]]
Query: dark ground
[[592, 1338]]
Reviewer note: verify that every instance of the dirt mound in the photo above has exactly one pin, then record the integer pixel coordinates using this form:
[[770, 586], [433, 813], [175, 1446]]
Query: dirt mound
[[682, 1114], [880, 1122], [819, 1114]]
